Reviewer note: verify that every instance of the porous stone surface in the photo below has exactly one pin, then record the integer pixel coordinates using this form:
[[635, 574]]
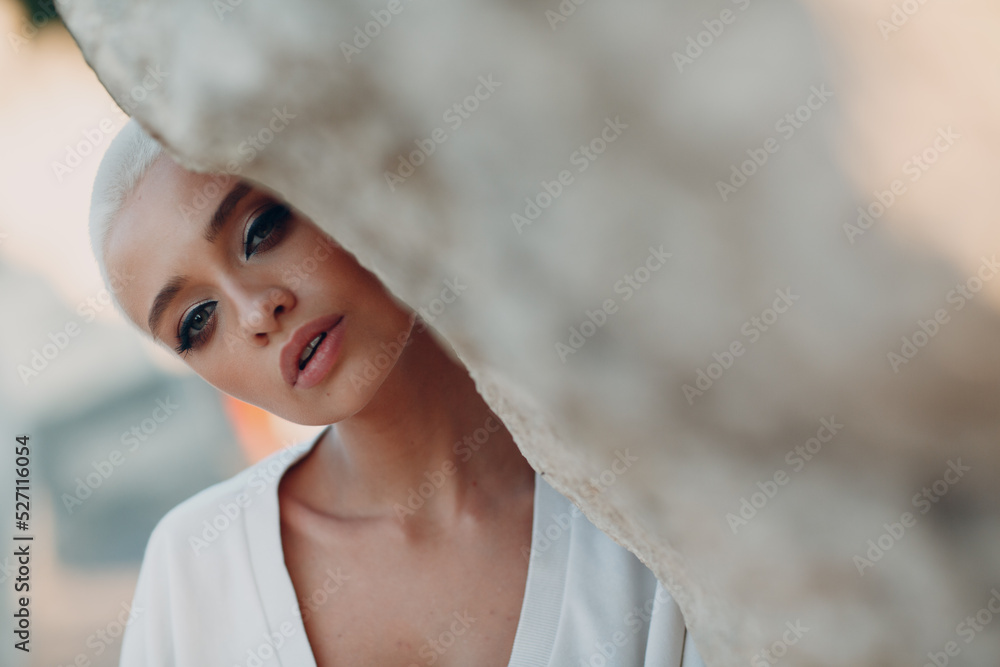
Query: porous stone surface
[[582, 152]]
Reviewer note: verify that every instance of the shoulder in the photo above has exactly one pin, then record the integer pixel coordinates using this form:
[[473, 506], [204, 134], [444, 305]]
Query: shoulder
[[218, 513], [204, 555], [589, 548]]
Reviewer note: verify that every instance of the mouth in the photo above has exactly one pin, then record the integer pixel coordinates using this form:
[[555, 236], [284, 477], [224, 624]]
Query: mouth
[[310, 353], [310, 349]]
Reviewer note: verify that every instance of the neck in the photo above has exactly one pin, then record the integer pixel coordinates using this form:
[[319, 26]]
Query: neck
[[426, 448]]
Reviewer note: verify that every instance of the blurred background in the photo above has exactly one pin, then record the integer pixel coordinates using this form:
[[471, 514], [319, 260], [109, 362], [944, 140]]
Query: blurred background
[[82, 384], [75, 377]]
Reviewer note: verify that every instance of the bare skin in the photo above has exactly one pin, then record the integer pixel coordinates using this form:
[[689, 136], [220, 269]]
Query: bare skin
[[414, 580], [451, 569]]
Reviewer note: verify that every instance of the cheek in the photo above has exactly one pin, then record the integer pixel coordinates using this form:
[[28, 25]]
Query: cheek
[[234, 375]]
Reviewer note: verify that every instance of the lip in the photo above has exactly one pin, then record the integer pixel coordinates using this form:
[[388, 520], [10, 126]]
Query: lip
[[322, 359]]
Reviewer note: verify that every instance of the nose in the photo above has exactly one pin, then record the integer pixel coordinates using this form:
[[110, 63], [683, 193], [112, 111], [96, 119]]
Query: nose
[[262, 313]]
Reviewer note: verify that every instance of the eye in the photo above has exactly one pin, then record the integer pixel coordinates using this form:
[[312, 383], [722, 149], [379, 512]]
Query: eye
[[265, 230], [195, 327]]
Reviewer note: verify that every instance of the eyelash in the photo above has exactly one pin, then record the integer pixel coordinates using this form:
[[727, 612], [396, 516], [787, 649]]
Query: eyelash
[[274, 217]]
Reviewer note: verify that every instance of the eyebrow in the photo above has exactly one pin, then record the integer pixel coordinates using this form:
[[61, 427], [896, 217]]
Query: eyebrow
[[173, 287], [222, 212], [162, 301]]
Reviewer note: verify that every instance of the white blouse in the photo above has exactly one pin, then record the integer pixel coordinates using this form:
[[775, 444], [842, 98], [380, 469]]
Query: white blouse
[[214, 590]]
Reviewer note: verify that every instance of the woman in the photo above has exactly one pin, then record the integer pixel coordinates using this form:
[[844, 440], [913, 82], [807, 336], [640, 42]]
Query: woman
[[415, 533]]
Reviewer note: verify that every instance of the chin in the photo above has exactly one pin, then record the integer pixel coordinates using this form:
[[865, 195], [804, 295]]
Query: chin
[[328, 403]]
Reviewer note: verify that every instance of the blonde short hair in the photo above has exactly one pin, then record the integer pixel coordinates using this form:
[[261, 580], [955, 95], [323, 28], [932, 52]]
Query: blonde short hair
[[126, 161]]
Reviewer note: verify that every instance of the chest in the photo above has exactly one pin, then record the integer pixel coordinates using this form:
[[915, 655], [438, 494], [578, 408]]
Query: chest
[[369, 598]]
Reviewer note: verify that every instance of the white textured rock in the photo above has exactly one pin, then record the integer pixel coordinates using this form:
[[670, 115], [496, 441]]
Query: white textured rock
[[230, 68]]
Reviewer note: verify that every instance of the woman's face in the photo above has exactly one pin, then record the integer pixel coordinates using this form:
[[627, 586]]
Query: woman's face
[[243, 288]]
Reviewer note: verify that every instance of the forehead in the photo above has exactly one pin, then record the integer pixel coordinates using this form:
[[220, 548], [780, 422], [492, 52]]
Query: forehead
[[158, 232]]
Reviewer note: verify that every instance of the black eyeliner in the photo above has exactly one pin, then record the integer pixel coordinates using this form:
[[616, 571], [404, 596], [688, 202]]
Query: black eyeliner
[[276, 215]]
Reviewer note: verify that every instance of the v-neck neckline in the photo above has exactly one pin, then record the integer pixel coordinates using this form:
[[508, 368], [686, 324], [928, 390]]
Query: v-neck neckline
[[540, 608]]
